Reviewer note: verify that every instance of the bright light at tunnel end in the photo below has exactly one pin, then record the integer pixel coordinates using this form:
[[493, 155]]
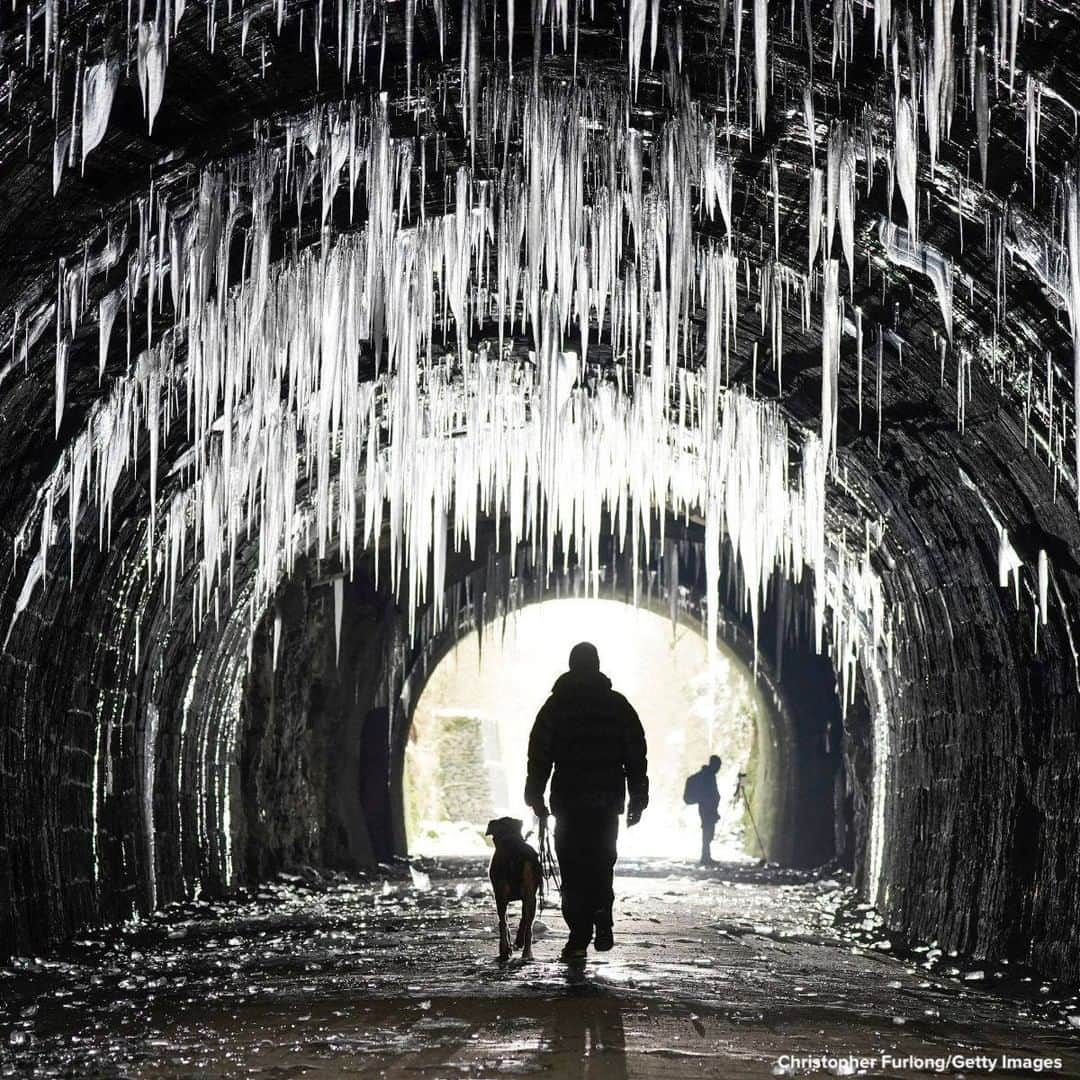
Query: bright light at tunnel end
[[467, 751]]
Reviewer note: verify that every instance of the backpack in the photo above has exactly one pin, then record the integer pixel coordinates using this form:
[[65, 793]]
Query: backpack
[[692, 791]]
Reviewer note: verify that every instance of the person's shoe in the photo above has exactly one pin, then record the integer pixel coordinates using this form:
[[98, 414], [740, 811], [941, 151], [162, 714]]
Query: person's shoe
[[604, 940], [577, 946]]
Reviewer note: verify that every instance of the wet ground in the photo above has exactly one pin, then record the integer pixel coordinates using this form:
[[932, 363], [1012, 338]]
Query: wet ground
[[723, 973]]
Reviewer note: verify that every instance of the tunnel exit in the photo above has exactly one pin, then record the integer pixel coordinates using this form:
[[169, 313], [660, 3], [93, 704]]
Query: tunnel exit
[[466, 756]]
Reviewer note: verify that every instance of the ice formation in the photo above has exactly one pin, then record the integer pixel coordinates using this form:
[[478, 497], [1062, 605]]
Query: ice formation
[[99, 89], [901, 249], [275, 396], [375, 328]]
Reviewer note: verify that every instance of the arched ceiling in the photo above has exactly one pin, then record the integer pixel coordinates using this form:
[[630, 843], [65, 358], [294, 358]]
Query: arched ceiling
[[285, 278]]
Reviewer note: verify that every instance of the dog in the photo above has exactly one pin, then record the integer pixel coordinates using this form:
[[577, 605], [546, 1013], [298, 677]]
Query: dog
[[515, 875]]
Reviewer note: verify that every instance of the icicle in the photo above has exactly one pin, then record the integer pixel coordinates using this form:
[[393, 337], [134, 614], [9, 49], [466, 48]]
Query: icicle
[[510, 6], [1072, 213], [1032, 127], [738, 39], [1014, 35], [47, 523], [61, 381], [654, 30], [811, 131], [882, 26], [277, 638], [842, 21], [808, 33], [464, 79], [410, 20], [151, 63], [831, 331], [636, 37], [99, 89], [761, 46], [1009, 564], [982, 109], [60, 153], [774, 183], [1044, 585], [35, 574], [841, 194], [339, 601], [907, 156], [440, 23], [869, 149], [724, 191], [945, 69], [474, 75], [816, 199], [859, 353]]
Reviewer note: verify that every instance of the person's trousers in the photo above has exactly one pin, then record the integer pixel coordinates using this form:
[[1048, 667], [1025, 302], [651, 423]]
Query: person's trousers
[[585, 845], [708, 831]]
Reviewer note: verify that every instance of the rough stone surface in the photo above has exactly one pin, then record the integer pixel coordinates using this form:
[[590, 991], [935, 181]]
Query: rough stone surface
[[719, 974]]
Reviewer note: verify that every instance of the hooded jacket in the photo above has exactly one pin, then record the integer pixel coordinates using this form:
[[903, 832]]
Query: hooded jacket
[[589, 740]]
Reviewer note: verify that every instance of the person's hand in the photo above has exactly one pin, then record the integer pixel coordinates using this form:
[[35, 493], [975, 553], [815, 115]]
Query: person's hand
[[634, 812]]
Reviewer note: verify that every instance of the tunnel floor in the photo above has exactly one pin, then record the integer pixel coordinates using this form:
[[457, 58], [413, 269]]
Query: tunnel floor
[[714, 973]]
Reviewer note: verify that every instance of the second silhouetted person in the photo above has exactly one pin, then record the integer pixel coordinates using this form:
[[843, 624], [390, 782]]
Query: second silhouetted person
[[701, 791]]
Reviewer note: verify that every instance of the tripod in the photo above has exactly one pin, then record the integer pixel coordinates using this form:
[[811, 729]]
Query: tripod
[[740, 790]]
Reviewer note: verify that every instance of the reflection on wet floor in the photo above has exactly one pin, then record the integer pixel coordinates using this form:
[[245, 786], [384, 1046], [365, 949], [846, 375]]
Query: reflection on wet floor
[[715, 973]]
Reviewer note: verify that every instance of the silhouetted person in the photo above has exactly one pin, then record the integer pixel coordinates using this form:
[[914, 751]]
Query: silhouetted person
[[701, 790], [589, 740]]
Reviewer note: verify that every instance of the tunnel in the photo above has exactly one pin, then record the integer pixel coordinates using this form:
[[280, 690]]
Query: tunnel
[[335, 332]]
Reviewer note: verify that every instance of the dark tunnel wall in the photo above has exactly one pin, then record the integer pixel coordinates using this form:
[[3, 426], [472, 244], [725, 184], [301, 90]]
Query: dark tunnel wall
[[981, 814], [964, 783]]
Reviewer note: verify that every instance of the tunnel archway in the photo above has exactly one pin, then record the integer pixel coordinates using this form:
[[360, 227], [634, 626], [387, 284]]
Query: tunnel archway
[[812, 803], [940, 429], [466, 752]]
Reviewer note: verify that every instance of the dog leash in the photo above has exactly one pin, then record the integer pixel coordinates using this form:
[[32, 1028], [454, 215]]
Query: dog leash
[[549, 867]]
